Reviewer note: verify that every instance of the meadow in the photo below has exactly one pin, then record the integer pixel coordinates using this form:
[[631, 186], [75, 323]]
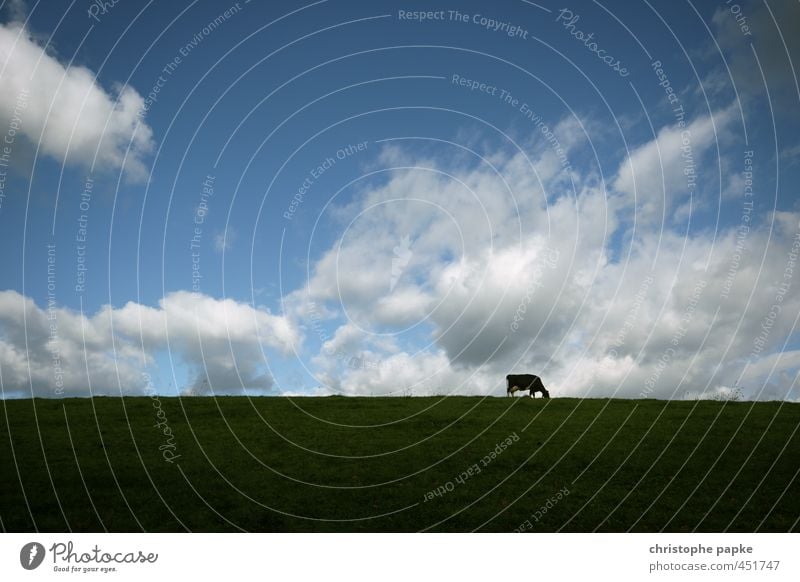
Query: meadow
[[398, 464]]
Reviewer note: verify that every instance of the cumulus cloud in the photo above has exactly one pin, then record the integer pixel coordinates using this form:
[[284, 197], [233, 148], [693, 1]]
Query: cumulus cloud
[[404, 374], [64, 110], [664, 171], [503, 279], [54, 351]]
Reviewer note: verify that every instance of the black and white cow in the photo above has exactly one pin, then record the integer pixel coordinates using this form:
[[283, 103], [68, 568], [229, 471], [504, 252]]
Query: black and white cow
[[522, 382]]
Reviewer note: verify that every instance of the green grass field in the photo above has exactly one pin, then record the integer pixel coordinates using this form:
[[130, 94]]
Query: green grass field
[[370, 464]]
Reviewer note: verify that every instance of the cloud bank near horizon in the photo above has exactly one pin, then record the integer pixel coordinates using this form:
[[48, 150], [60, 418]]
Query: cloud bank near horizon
[[453, 274], [55, 351]]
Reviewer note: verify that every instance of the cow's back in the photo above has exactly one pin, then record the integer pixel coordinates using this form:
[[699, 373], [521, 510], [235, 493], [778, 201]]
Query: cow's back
[[523, 380]]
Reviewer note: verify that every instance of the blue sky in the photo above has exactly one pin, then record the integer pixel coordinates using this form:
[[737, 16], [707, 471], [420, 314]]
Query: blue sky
[[341, 197]]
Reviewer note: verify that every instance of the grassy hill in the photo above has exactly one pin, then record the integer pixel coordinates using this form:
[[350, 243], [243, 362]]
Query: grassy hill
[[398, 464]]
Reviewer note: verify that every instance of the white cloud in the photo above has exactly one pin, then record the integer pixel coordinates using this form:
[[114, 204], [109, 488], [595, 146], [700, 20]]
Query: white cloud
[[223, 241], [404, 374], [222, 341], [65, 111], [791, 155], [661, 173], [663, 316], [344, 339], [403, 306]]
